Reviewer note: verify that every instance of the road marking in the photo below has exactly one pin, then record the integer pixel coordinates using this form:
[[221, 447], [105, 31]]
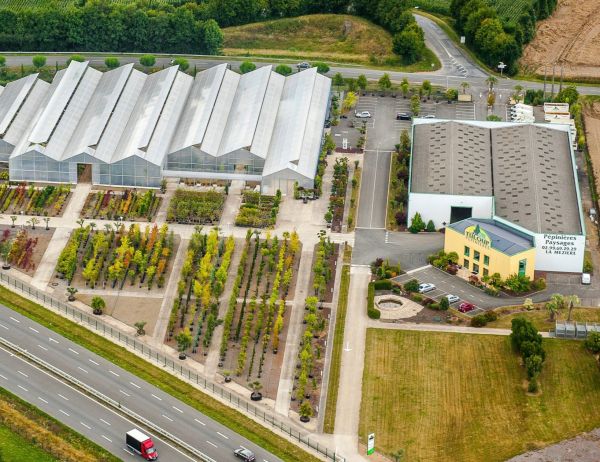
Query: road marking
[[104, 421], [3, 377], [71, 349], [126, 394], [86, 425], [160, 399], [201, 423], [63, 397], [3, 326], [177, 409], [167, 417], [22, 388], [42, 400], [35, 330], [15, 320], [136, 386], [43, 348], [224, 436], [60, 410], [113, 373], [107, 439], [93, 362], [81, 368], [23, 374], [52, 340], [212, 444]]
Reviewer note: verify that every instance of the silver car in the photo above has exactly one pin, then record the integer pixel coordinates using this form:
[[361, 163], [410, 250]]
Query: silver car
[[363, 115], [452, 298], [426, 287]]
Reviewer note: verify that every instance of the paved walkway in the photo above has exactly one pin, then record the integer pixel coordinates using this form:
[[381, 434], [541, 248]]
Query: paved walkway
[[232, 205], [161, 215], [441, 328]]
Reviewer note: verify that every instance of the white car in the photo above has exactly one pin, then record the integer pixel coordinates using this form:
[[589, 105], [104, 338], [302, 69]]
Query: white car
[[363, 115], [429, 116], [426, 287], [586, 278], [452, 298]]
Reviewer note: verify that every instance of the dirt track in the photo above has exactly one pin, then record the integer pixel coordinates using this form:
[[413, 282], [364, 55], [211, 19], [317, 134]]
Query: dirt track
[[570, 37]]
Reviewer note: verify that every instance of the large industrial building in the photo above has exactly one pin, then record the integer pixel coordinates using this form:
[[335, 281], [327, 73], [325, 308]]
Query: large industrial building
[[133, 129], [513, 182]]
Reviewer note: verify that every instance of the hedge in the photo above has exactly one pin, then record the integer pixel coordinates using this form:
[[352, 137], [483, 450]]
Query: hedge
[[383, 284], [372, 312]]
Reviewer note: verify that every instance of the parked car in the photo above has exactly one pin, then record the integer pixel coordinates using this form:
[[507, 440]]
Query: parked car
[[429, 116], [426, 287], [303, 65], [363, 114], [586, 278], [452, 298], [402, 116], [465, 307], [327, 123], [245, 454]]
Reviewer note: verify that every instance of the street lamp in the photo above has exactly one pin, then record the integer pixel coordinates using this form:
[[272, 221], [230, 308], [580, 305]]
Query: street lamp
[[501, 66]]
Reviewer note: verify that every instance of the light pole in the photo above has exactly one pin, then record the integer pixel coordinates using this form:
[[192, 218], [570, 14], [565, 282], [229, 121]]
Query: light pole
[[501, 66]]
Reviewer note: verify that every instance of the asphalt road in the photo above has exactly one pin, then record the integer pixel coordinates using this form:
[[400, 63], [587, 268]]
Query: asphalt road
[[191, 426], [372, 206]]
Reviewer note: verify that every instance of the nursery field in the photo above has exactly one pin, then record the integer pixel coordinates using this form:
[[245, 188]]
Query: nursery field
[[258, 210], [118, 258], [47, 201], [129, 309], [24, 248], [337, 198], [128, 205], [196, 207]]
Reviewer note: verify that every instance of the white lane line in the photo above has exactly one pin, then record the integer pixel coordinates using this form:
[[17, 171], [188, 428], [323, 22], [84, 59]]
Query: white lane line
[[224, 436], [42, 400], [35, 330], [23, 374], [135, 385], [126, 394], [3, 326], [107, 438], [22, 388], [60, 410], [212, 444], [52, 340], [43, 348], [154, 396], [3, 377], [177, 409], [113, 373], [105, 422], [167, 417], [82, 369], [86, 425], [63, 397], [71, 349], [201, 423], [15, 320], [93, 362]]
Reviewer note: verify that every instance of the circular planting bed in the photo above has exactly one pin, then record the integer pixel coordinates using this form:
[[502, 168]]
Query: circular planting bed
[[396, 307]]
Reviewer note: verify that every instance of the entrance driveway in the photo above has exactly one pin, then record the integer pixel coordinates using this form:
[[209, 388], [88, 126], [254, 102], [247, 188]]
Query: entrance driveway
[[372, 204]]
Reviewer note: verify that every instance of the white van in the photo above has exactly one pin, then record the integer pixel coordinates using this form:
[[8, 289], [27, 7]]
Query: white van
[[586, 278]]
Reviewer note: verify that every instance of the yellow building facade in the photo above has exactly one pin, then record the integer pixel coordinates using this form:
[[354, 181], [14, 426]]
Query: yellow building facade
[[485, 247]]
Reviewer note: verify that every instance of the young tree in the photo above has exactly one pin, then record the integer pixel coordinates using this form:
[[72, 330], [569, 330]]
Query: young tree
[[518, 283], [491, 99], [140, 327], [338, 80], [2, 63], [430, 227], [404, 88], [111, 62], [322, 68], [464, 86], [417, 225], [409, 45], [13, 218], [147, 61], [451, 94], [38, 61], [491, 81], [426, 86], [349, 101], [213, 37], [182, 63], [444, 304], [305, 411], [184, 340], [247, 66], [415, 105], [33, 221], [71, 291], [284, 70], [255, 386], [518, 96], [362, 82], [384, 82], [78, 58], [571, 301], [493, 118], [98, 305]]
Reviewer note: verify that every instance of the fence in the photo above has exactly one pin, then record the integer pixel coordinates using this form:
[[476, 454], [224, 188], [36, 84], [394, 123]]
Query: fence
[[234, 399]]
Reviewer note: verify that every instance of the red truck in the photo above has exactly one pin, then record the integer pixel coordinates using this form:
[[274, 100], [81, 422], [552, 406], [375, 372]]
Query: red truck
[[141, 444]]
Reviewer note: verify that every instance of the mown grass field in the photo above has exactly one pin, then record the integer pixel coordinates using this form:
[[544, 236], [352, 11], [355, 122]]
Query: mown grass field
[[14, 448], [460, 397], [330, 37], [541, 319]]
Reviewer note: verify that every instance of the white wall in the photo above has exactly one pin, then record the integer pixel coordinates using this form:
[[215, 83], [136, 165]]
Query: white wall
[[437, 207], [559, 252]]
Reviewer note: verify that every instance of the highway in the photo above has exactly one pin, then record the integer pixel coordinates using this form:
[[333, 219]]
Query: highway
[[188, 424]]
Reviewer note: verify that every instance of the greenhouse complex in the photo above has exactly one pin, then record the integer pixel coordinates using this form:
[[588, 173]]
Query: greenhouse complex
[[134, 129]]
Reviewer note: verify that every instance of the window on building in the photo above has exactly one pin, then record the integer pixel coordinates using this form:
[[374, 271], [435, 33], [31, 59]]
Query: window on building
[[475, 268], [485, 272], [486, 260], [522, 267], [475, 255], [467, 251], [466, 263]]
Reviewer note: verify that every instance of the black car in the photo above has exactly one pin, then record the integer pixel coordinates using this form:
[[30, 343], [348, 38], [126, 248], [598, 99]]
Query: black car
[[402, 116], [327, 123], [245, 454]]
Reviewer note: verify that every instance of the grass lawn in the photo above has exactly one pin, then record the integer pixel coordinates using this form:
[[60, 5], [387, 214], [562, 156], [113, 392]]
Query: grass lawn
[[541, 319], [460, 397], [14, 448], [329, 37]]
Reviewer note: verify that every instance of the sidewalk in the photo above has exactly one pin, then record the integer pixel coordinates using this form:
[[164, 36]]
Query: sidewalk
[[372, 324]]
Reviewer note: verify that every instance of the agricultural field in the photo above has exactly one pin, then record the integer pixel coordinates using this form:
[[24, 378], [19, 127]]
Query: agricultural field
[[570, 37], [510, 9], [196, 207], [61, 4], [23, 248], [47, 201], [258, 210], [437, 395], [128, 205]]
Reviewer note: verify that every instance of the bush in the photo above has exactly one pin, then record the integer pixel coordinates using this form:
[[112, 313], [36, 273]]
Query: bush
[[430, 227], [418, 298], [588, 266], [533, 365], [444, 304], [490, 316], [490, 290], [383, 284], [411, 286], [592, 342], [372, 312], [538, 284], [479, 321], [247, 66], [533, 386]]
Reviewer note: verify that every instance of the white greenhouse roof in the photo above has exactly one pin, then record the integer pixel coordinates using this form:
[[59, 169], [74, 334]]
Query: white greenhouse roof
[[123, 113]]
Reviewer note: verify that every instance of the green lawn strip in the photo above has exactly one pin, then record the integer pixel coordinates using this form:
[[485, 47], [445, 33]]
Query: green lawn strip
[[15, 448], [39, 417], [185, 392], [336, 354]]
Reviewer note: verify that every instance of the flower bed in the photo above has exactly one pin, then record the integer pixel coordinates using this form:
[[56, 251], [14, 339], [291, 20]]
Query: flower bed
[[335, 214], [31, 200], [196, 207], [19, 250], [128, 205], [257, 210]]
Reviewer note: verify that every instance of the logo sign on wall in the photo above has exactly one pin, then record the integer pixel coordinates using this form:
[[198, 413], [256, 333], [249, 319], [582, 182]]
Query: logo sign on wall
[[477, 235], [371, 444]]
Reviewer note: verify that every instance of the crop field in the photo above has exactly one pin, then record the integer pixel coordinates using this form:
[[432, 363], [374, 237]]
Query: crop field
[[442, 396], [510, 9], [22, 4]]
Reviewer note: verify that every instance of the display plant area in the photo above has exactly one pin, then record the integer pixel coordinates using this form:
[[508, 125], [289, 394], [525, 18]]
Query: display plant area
[[123, 205], [31, 200], [196, 207], [437, 395], [117, 257], [335, 211], [258, 210], [23, 248]]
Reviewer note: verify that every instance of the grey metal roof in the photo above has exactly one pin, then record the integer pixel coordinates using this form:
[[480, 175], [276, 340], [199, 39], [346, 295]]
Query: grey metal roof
[[528, 168], [11, 99], [503, 239]]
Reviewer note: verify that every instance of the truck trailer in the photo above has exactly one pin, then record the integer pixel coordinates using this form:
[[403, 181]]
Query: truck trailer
[[141, 444]]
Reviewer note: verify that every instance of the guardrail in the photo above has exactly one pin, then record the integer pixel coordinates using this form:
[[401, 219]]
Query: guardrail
[[95, 323], [106, 400]]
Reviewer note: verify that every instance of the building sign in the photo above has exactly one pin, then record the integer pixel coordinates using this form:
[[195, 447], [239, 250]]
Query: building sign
[[559, 244], [371, 444], [478, 236]]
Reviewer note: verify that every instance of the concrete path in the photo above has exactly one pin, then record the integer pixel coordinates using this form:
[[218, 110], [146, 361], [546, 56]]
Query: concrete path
[[232, 205], [441, 328], [161, 215], [78, 197]]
